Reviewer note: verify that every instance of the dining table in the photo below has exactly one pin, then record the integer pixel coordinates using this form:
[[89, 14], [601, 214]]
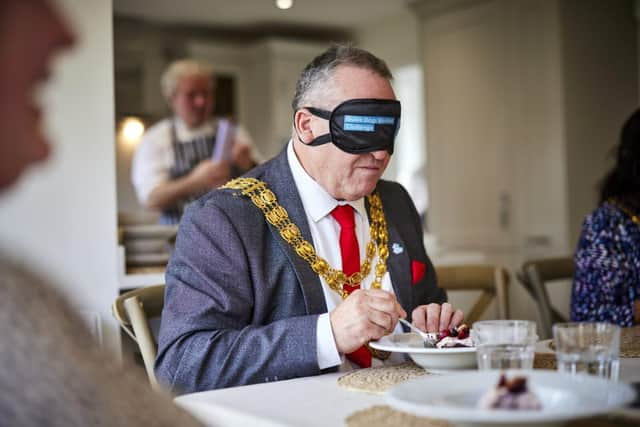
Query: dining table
[[356, 398]]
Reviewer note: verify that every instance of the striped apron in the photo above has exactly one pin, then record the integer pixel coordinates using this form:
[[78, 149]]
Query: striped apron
[[186, 156]]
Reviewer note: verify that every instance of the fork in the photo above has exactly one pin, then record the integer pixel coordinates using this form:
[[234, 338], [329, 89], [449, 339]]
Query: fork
[[429, 338]]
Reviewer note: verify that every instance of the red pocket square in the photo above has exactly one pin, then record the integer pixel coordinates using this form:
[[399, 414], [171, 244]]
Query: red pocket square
[[417, 271]]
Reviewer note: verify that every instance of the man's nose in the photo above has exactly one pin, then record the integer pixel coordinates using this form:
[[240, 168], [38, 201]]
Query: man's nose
[[60, 34], [200, 100], [380, 154]]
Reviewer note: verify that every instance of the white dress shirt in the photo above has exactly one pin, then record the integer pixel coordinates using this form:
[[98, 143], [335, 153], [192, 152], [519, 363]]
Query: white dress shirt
[[325, 232]]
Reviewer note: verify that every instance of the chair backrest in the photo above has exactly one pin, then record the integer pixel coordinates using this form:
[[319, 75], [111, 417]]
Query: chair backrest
[[492, 281], [133, 310], [534, 276]]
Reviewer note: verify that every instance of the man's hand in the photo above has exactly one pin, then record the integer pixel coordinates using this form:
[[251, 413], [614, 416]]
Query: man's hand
[[436, 317], [205, 176], [364, 316], [208, 174]]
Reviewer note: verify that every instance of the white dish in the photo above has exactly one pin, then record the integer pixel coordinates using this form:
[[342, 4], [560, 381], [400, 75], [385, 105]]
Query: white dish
[[564, 397], [436, 360]]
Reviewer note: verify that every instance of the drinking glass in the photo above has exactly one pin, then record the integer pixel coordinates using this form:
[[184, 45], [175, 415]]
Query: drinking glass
[[504, 344], [592, 348]]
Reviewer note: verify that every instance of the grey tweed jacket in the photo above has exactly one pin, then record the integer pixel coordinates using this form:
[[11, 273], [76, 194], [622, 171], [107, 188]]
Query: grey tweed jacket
[[241, 306]]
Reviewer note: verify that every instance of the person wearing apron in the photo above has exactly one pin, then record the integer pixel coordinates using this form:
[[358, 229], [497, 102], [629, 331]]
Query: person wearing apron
[[173, 164]]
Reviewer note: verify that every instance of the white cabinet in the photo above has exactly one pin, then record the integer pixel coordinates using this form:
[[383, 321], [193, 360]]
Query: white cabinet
[[519, 116], [477, 122]]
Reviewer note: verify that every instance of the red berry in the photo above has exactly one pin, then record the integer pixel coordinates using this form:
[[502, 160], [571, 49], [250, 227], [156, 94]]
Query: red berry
[[463, 331], [503, 381], [443, 334]]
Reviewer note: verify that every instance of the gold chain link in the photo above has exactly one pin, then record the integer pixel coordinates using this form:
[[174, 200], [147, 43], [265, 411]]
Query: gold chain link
[[277, 216]]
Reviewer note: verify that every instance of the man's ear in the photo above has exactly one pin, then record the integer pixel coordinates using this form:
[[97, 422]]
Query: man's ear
[[302, 125]]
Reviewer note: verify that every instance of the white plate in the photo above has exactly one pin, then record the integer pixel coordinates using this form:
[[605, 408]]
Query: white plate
[[563, 397], [436, 360]]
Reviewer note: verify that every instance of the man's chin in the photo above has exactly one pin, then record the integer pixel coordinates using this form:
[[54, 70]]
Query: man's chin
[[361, 191], [196, 121]]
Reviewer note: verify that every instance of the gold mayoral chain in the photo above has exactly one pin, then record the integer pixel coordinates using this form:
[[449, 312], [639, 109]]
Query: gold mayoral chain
[[266, 200]]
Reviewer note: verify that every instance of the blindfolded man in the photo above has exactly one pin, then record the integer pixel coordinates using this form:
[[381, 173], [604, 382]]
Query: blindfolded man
[[288, 271]]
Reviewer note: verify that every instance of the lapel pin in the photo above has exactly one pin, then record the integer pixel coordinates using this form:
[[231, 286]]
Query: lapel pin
[[397, 248]]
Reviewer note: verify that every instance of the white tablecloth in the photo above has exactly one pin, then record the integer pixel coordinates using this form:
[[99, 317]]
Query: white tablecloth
[[312, 401]]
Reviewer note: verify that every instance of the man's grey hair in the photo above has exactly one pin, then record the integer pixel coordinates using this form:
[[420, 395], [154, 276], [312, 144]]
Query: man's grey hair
[[321, 69], [178, 70]]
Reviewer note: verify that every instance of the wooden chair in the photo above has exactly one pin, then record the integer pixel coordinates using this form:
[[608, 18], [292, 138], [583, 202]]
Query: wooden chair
[[491, 280], [534, 275], [133, 310]]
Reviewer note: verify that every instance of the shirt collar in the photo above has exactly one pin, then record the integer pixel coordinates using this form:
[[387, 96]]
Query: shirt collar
[[316, 201]]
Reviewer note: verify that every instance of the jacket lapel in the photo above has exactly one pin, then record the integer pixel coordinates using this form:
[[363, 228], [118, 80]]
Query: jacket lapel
[[397, 265], [280, 180], [398, 262]]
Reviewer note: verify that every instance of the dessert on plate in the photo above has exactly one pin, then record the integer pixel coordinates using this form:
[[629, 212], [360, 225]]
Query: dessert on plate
[[510, 394], [454, 337]]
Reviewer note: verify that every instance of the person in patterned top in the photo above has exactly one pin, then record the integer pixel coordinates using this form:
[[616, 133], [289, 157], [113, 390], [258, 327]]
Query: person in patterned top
[[607, 280]]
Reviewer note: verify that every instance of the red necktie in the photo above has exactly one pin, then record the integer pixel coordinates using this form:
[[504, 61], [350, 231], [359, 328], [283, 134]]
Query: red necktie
[[350, 252]]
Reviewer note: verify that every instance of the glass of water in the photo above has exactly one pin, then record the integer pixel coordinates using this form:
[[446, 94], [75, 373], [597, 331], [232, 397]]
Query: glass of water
[[593, 348], [504, 344]]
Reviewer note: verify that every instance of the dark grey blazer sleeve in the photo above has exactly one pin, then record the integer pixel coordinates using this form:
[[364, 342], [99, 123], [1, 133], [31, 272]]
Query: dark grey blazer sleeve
[[230, 317]]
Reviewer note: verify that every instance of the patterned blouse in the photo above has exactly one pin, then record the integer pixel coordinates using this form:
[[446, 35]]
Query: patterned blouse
[[607, 280]]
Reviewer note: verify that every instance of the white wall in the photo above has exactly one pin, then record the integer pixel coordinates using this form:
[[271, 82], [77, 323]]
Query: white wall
[[601, 80], [395, 40], [541, 211], [62, 218]]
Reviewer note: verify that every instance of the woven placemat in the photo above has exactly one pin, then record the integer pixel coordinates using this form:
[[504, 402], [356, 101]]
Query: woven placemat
[[544, 361], [630, 342], [385, 416], [379, 379]]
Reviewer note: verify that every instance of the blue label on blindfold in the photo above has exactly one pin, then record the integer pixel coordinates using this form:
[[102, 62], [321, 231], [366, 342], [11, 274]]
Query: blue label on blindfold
[[374, 120], [359, 127], [366, 123]]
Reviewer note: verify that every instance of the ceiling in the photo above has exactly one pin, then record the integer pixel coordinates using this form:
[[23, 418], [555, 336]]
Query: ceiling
[[244, 14]]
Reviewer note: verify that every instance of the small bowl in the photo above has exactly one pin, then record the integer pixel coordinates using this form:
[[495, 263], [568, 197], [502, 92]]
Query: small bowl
[[435, 360]]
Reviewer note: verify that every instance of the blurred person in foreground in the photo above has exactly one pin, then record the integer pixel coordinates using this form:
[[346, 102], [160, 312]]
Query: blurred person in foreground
[[175, 162], [607, 280], [51, 371], [338, 261]]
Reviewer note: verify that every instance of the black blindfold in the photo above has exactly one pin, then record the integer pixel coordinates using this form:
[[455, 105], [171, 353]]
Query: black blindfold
[[361, 125]]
